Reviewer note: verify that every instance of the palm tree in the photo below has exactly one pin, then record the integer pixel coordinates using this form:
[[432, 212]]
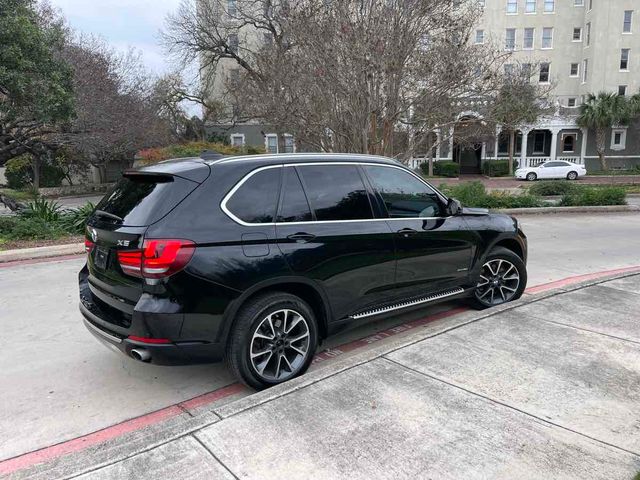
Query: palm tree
[[601, 113]]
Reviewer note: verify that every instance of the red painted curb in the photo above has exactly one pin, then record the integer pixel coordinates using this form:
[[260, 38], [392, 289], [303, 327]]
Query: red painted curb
[[71, 446]]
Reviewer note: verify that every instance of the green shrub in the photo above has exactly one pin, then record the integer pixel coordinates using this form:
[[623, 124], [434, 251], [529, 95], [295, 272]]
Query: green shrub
[[497, 168], [192, 149], [474, 194], [74, 221], [44, 210], [33, 229], [593, 196], [442, 169], [19, 173], [558, 187]]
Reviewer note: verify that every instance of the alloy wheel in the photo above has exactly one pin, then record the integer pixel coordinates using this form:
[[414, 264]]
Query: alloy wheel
[[280, 345], [499, 282], [572, 175], [531, 177]]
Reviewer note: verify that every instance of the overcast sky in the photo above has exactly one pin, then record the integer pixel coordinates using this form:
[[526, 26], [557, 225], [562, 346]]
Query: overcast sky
[[123, 23]]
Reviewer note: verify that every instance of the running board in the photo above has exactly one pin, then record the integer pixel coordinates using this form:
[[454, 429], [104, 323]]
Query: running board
[[401, 305]]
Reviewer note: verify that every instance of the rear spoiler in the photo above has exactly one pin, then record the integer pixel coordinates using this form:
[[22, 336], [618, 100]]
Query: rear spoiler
[[156, 177]]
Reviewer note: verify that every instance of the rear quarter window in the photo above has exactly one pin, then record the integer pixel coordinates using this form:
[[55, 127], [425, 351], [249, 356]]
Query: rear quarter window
[[256, 200]]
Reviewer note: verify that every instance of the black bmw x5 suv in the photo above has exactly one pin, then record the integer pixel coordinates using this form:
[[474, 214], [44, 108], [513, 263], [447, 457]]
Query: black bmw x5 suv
[[257, 259]]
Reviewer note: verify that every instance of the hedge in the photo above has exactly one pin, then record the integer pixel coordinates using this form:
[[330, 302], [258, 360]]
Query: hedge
[[192, 149], [557, 187], [474, 194], [19, 173], [590, 196], [497, 168], [442, 169]]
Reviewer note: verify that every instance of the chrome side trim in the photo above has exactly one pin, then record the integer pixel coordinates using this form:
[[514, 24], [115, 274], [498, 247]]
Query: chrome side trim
[[399, 306], [101, 332], [225, 209]]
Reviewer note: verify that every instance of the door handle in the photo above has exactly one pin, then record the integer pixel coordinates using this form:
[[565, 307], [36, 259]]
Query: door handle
[[301, 237], [407, 232]]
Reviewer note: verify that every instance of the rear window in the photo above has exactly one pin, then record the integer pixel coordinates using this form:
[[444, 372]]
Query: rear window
[[142, 200]]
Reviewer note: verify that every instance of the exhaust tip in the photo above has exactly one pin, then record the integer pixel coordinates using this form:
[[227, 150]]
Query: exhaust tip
[[141, 355]]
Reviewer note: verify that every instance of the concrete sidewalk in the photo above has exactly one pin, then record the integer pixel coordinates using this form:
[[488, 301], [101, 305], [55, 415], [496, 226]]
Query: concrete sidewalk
[[547, 387]]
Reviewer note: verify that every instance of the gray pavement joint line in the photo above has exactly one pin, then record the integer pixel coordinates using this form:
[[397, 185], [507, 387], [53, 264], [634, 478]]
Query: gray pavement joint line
[[585, 329], [506, 405], [214, 456], [188, 412]]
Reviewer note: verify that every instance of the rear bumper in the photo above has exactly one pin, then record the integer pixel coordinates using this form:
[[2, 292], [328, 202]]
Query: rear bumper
[[157, 324]]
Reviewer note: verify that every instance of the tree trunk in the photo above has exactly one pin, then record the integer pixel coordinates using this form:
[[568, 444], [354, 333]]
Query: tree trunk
[[35, 164], [601, 145], [512, 144]]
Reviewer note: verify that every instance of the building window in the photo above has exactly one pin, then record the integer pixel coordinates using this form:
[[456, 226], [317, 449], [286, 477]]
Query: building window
[[575, 70], [571, 102], [481, 3], [529, 34], [628, 16], [547, 37], [233, 43], [234, 77], [512, 6], [549, 6], [585, 70], [544, 72], [237, 140], [510, 42], [588, 34], [578, 3], [267, 38], [289, 144], [539, 142], [569, 142], [271, 143], [577, 34], [619, 139], [479, 37], [232, 8], [508, 69], [622, 90], [624, 59], [530, 6]]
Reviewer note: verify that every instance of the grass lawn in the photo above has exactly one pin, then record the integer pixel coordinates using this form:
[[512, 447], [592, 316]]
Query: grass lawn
[[19, 195], [613, 173], [6, 244]]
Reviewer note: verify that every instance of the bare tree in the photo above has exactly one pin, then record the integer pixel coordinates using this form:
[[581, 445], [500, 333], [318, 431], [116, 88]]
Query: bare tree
[[352, 76], [519, 101]]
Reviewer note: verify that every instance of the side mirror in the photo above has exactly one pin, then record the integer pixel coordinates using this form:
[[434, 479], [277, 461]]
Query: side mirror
[[454, 207]]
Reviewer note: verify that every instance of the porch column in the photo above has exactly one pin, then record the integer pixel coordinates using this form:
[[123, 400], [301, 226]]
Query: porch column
[[583, 145], [438, 146], [450, 157], [554, 143], [523, 152], [498, 131]]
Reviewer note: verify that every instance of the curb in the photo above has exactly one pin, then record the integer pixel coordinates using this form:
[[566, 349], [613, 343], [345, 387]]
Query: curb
[[85, 461], [557, 210], [21, 254]]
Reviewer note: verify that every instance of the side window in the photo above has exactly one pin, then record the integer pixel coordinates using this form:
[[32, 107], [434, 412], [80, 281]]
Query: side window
[[404, 195], [256, 200], [336, 192], [295, 207]]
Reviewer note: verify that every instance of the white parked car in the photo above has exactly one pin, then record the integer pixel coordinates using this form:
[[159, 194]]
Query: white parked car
[[555, 169]]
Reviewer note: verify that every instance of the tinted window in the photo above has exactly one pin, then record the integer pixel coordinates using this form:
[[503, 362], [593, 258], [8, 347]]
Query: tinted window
[[336, 192], [257, 199], [403, 194], [144, 199], [295, 207]]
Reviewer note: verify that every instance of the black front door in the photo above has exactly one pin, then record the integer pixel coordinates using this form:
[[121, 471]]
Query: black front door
[[330, 236], [433, 251]]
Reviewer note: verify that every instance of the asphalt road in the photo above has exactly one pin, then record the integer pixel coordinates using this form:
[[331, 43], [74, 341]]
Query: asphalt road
[[60, 383]]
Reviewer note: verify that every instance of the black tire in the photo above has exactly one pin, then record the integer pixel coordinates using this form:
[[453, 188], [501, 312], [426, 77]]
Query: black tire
[[241, 338], [572, 176], [531, 177], [497, 254]]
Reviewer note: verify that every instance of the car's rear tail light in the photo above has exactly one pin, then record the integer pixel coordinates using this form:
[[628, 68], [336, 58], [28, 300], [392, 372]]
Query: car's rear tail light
[[159, 258], [88, 246]]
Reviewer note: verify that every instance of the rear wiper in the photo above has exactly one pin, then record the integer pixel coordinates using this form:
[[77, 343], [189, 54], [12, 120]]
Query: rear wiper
[[102, 213]]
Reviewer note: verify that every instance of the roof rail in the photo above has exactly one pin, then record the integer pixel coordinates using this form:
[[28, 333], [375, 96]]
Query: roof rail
[[211, 155]]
